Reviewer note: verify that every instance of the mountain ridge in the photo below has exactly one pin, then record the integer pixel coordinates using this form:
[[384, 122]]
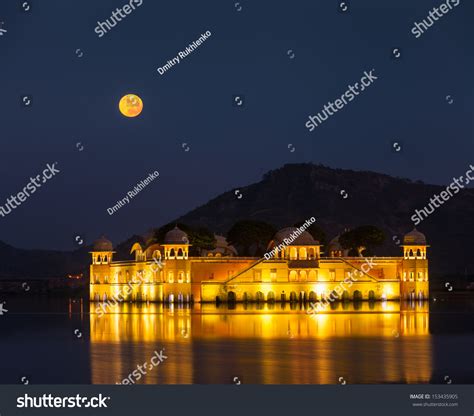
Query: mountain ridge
[[337, 198]]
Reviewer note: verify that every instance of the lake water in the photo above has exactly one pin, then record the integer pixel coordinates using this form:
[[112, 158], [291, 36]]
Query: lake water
[[61, 340]]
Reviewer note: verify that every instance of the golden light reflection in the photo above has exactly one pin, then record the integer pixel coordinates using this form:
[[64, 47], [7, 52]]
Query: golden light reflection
[[373, 343]]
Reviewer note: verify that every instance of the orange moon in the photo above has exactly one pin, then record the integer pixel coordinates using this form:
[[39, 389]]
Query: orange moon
[[131, 105]]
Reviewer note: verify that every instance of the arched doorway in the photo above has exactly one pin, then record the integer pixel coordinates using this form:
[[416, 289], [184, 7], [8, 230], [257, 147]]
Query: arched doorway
[[357, 296], [345, 296], [312, 297], [231, 298], [260, 297], [271, 297], [293, 297], [371, 295]]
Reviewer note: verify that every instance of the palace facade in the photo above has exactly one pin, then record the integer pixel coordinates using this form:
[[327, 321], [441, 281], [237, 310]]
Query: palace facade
[[297, 272]]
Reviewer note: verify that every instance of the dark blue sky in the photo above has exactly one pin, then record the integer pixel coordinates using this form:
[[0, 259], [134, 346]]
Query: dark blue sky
[[75, 100]]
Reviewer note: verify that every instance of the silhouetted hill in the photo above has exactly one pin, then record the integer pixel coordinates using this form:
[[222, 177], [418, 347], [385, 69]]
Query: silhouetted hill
[[295, 193], [19, 263]]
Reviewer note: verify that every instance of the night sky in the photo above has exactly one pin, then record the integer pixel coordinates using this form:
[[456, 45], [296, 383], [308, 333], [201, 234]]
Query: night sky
[[75, 100]]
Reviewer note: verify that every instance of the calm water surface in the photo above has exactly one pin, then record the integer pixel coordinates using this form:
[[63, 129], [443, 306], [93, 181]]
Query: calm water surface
[[62, 340]]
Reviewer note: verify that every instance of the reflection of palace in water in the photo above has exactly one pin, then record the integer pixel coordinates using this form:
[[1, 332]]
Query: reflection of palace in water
[[384, 341], [296, 272]]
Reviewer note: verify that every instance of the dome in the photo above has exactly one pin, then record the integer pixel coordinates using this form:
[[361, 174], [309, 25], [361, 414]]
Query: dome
[[176, 236], [334, 244], [414, 238], [304, 239], [102, 244]]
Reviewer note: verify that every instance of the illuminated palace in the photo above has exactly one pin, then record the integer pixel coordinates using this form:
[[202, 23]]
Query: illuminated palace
[[166, 273]]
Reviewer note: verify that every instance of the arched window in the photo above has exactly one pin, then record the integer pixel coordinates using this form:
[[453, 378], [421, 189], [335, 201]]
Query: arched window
[[303, 253], [418, 253], [303, 276], [172, 254], [312, 277], [180, 277], [293, 253], [293, 276], [410, 254], [180, 254], [170, 277]]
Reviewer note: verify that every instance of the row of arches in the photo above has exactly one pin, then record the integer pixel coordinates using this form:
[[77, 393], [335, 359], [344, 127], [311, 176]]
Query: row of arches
[[144, 297], [176, 253], [293, 296], [298, 253], [101, 258], [144, 276], [303, 276], [411, 253], [410, 276]]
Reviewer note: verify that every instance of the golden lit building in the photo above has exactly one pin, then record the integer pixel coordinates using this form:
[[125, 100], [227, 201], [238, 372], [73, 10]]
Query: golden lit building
[[295, 272]]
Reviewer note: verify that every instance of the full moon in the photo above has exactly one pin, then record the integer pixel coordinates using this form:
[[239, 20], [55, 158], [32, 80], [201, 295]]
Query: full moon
[[131, 105]]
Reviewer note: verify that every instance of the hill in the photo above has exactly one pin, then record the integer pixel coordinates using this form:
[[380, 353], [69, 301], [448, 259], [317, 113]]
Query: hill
[[294, 193]]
